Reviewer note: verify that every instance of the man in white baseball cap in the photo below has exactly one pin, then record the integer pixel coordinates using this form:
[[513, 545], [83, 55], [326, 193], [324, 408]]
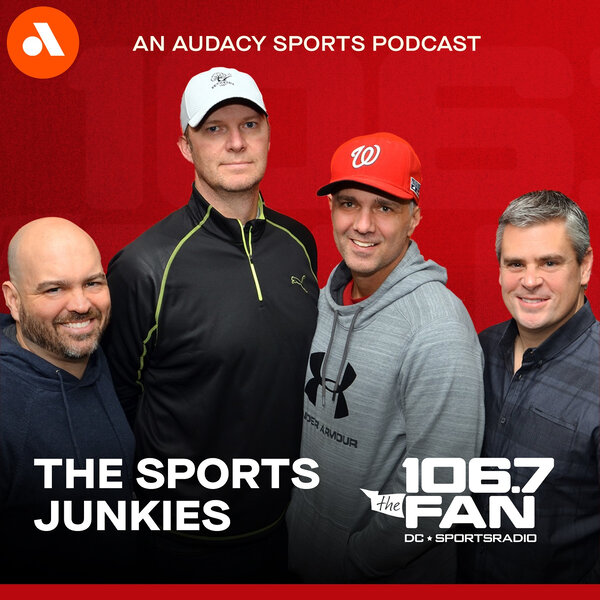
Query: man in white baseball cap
[[214, 309]]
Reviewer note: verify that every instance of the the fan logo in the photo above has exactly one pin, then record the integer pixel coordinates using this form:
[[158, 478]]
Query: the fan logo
[[441, 488], [363, 156], [42, 42]]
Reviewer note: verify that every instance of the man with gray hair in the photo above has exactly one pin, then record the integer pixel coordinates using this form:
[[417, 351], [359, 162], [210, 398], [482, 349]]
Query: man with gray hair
[[542, 386]]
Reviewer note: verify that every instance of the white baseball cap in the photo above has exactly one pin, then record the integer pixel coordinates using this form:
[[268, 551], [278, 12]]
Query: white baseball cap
[[205, 90]]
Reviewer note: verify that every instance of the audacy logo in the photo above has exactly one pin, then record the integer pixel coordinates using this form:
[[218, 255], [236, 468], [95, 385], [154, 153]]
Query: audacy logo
[[42, 42]]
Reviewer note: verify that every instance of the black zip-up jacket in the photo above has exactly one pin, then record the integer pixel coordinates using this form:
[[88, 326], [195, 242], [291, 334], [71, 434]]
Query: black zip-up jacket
[[211, 328]]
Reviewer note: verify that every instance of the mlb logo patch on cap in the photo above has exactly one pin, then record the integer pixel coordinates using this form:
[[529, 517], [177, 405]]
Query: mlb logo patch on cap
[[415, 186]]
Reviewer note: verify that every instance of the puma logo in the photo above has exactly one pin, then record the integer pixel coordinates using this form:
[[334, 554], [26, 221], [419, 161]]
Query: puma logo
[[299, 281]]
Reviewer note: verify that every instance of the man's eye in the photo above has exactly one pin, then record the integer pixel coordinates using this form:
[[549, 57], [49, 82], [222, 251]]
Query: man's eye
[[251, 124], [52, 291], [212, 129]]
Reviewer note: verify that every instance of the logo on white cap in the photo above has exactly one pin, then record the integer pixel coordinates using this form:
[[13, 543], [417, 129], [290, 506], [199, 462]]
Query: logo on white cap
[[363, 156], [221, 79]]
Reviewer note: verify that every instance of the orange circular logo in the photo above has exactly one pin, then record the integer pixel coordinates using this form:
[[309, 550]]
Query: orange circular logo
[[42, 42]]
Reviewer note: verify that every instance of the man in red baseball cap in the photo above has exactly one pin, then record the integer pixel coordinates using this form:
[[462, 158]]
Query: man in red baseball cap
[[395, 373]]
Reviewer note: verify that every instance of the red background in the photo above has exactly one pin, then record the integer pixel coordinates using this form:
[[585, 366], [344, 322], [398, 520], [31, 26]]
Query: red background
[[97, 144]]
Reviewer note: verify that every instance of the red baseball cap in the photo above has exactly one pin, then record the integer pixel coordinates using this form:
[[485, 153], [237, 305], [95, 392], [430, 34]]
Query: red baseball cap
[[380, 160]]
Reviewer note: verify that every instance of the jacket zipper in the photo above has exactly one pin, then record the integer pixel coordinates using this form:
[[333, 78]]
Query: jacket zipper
[[248, 250]]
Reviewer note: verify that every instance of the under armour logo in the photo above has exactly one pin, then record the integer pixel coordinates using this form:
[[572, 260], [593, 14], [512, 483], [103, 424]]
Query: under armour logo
[[363, 156], [221, 79], [312, 385], [300, 282]]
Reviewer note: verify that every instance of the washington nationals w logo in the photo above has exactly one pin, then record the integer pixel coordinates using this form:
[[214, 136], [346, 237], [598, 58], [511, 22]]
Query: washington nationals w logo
[[363, 156]]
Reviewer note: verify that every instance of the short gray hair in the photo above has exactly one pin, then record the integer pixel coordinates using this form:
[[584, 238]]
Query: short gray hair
[[542, 206]]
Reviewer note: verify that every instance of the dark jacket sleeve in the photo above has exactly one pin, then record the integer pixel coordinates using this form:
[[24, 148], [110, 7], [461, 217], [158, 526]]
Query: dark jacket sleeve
[[128, 340]]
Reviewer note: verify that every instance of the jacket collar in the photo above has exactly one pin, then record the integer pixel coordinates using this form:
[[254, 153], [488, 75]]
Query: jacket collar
[[221, 226]]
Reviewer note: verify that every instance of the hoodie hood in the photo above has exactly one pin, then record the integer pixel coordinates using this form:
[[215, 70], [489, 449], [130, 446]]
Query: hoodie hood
[[412, 272], [40, 387], [35, 369]]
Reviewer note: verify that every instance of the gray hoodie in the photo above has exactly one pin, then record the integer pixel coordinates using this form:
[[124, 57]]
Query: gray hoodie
[[397, 375]]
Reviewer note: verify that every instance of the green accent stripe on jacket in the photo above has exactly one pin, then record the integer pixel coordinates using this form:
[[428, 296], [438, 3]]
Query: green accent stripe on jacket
[[161, 293]]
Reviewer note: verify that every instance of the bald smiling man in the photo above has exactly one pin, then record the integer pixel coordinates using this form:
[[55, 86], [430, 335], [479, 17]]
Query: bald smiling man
[[57, 401]]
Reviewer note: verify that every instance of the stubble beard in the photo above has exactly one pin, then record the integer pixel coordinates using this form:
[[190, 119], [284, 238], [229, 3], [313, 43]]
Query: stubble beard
[[47, 336]]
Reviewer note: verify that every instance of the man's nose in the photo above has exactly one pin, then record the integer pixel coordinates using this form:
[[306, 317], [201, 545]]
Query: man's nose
[[364, 222], [78, 301], [235, 140], [531, 278]]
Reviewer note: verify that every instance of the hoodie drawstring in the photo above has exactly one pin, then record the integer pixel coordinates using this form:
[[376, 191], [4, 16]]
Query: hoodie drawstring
[[69, 422], [128, 470], [324, 368], [344, 355]]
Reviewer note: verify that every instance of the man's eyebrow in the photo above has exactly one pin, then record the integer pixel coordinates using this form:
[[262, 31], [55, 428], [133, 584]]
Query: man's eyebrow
[[54, 283], [44, 285], [554, 257], [546, 257], [399, 201], [250, 116], [341, 197], [98, 275]]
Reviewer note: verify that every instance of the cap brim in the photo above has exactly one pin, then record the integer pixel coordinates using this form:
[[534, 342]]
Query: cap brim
[[373, 184]]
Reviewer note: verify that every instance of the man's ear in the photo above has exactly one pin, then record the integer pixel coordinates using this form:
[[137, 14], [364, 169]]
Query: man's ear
[[586, 266], [184, 148], [415, 220], [12, 299], [269, 129]]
